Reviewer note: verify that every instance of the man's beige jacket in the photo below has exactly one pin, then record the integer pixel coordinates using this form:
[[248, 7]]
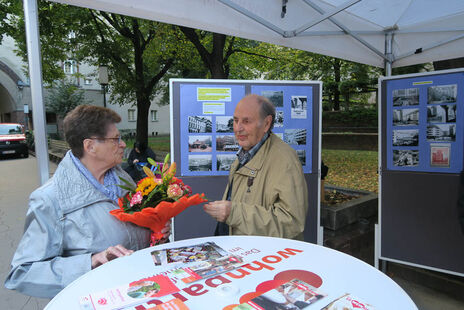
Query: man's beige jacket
[[269, 194]]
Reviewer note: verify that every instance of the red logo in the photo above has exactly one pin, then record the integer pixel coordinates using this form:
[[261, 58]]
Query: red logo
[[357, 304], [102, 301]]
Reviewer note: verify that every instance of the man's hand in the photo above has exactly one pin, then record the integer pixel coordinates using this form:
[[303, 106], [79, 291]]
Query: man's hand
[[109, 254], [219, 210]]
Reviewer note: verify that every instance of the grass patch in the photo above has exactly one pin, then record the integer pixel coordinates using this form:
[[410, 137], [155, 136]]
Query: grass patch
[[160, 143], [352, 169]]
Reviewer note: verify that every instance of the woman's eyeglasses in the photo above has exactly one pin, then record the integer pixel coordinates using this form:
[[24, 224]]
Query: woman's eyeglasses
[[116, 140]]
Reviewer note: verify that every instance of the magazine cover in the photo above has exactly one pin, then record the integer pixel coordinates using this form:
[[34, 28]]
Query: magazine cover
[[188, 254], [185, 275], [133, 293], [294, 295], [347, 302]]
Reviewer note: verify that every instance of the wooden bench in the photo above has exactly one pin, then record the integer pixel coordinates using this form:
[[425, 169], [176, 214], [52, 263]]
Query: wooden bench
[[57, 149]]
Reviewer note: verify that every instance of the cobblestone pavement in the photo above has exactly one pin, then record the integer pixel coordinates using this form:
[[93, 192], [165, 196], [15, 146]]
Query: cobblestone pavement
[[18, 178]]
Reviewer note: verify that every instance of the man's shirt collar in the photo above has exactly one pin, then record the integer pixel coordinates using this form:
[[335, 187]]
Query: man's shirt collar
[[246, 156]]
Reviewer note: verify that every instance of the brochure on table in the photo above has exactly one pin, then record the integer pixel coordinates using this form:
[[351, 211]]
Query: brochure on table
[[208, 145], [425, 116], [254, 280]]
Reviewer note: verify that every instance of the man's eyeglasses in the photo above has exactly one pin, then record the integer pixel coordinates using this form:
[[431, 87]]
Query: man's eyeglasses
[[116, 140]]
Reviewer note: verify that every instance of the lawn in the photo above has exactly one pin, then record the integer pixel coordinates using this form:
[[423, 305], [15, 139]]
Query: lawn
[[160, 143], [352, 169]]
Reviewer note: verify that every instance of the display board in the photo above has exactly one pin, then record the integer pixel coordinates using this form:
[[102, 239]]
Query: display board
[[204, 146], [421, 157]]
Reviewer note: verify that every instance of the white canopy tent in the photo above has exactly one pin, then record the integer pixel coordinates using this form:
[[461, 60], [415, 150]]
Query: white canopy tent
[[382, 33]]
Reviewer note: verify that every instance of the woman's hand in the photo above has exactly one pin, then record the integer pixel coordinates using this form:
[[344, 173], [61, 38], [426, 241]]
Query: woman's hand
[[166, 231], [135, 161], [110, 253]]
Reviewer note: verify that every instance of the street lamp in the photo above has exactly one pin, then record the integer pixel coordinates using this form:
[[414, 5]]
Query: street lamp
[[103, 80]]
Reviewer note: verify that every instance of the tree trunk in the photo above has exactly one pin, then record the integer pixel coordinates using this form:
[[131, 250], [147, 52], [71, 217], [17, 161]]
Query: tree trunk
[[337, 78], [143, 107]]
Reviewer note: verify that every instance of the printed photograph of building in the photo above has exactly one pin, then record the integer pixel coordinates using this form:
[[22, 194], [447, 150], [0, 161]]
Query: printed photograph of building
[[199, 124], [441, 132], [405, 97], [200, 162], [445, 113], [226, 143], [224, 161], [405, 117], [442, 94], [295, 136], [200, 144], [406, 158], [276, 97], [406, 137], [224, 124]]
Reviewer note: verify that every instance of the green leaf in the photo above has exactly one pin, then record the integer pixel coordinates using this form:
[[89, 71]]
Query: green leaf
[[128, 186], [152, 162], [125, 187], [166, 159]]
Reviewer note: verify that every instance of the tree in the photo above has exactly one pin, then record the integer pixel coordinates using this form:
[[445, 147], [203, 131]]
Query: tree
[[138, 52], [339, 77], [223, 56], [62, 98]]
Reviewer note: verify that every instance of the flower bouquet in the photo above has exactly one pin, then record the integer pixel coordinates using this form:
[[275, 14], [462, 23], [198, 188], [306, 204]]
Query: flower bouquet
[[156, 199]]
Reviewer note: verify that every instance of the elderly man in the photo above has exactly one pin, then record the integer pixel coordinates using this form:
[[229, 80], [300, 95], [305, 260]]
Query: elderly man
[[266, 194]]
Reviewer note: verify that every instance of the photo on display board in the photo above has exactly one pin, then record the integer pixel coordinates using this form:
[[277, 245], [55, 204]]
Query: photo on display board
[[299, 106], [295, 136], [200, 162], [406, 137], [405, 97], [279, 119], [440, 155], [274, 96], [224, 161], [405, 117], [445, 113], [201, 144], [199, 124], [406, 158], [224, 124], [226, 143], [441, 132], [301, 156], [442, 94]]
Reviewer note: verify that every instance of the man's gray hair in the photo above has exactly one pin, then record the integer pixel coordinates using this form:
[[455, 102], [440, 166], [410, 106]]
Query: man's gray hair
[[267, 108]]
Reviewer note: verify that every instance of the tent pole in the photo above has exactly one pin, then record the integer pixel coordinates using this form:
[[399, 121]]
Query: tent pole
[[35, 76], [388, 53]]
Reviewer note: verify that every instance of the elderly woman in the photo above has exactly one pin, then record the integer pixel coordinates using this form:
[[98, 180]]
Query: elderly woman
[[69, 229]]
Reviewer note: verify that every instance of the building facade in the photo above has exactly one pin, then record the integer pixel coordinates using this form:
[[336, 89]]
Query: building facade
[[15, 95]]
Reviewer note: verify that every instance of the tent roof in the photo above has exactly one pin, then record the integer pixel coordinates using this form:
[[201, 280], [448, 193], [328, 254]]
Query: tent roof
[[422, 30]]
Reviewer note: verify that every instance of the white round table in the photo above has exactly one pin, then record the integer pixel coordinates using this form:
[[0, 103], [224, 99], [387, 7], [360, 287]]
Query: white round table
[[271, 258]]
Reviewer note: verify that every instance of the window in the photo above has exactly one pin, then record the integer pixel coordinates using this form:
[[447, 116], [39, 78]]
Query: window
[[131, 115], [70, 67], [87, 81], [154, 115]]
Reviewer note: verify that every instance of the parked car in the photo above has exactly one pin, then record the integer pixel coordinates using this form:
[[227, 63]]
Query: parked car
[[13, 140]]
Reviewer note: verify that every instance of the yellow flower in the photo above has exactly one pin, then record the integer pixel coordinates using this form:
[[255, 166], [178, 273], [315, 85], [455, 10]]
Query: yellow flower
[[146, 186]]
